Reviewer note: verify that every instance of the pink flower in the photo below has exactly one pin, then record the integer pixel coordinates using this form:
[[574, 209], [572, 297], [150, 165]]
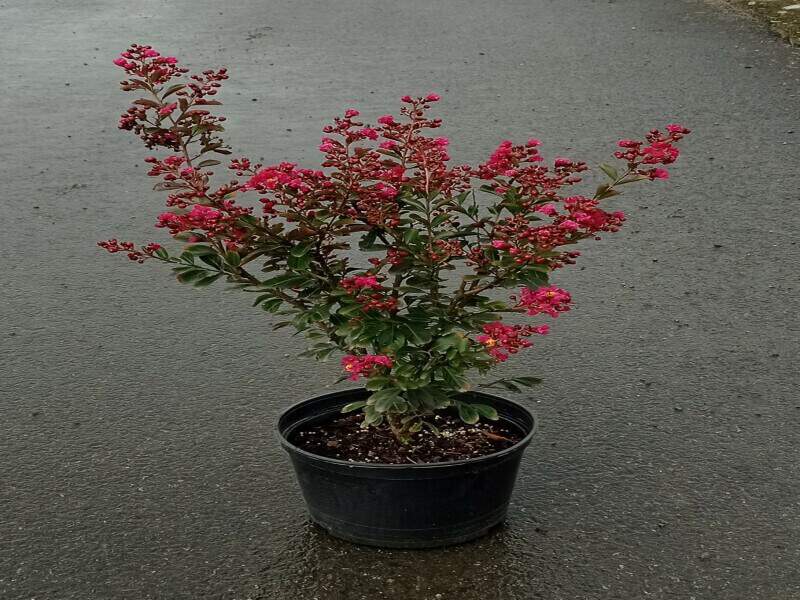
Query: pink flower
[[569, 225], [368, 132], [407, 99], [502, 340], [674, 128], [563, 162], [350, 113], [433, 98], [386, 120], [364, 365], [532, 143], [547, 209], [328, 145], [353, 285], [658, 174], [150, 53], [660, 152], [367, 281], [167, 109], [200, 217], [550, 300], [388, 145], [386, 191], [501, 244]]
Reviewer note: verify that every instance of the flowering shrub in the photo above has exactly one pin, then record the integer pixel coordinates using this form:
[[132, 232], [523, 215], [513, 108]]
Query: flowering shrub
[[412, 314]]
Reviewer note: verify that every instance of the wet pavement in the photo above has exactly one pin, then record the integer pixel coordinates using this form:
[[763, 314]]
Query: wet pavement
[[137, 456]]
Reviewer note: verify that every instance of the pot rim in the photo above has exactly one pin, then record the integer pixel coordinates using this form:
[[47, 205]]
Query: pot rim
[[518, 447]]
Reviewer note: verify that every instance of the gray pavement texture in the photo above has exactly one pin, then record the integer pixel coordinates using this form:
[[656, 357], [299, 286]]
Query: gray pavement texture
[[137, 455]]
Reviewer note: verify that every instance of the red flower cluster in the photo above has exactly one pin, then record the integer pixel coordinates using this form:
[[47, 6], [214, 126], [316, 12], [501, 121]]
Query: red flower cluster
[[149, 115], [550, 300], [210, 220], [353, 285], [503, 340], [369, 292], [287, 186], [660, 151], [390, 187], [139, 256], [517, 167], [144, 62], [365, 365]]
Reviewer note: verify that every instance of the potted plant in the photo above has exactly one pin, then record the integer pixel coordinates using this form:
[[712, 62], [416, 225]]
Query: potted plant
[[396, 260]]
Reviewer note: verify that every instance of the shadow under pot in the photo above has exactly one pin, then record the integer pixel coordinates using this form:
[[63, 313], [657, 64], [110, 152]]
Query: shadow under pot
[[422, 505]]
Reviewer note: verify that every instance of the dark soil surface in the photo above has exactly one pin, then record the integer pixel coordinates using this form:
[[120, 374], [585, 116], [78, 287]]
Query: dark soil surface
[[344, 438]]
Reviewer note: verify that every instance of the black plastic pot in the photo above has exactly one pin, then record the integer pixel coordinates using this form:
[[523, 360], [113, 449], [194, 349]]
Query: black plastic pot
[[405, 506]]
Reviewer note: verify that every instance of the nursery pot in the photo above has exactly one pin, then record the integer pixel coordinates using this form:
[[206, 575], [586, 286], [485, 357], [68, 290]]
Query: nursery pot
[[421, 505]]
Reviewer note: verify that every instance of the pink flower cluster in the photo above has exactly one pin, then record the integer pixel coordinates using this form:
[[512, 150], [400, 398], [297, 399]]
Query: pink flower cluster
[[365, 364], [550, 300], [205, 218], [584, 214], [153, 118], [501, 340], [135, 255], [517, 166], [390, 183], [370, 293], [143, 61], [661, 151], [359, 282], [286, 185], [507, 157]]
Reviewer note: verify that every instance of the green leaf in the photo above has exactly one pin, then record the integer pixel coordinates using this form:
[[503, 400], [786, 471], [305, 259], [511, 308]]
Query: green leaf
[[533, 278], [212, 259], [377, 383], [299, 262], [199, 249], [468, 413], [611, 171], [272, 305], [233, 258], [285, 280], [415, 427], [206, 281], [208, 163], [190, 275], [371, 416], [353, 406], [384, 399], [411, 236], [302, 249], [605, 191], [527, 381], [446, 342], [505, 384], [486, 411], [512, 384]]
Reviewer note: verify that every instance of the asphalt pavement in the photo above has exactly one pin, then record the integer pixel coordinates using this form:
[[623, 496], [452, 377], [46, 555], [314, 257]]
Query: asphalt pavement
[[137, 453]]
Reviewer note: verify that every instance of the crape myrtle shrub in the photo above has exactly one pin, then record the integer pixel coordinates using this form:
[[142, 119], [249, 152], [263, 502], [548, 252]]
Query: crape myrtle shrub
[[412, 314]]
